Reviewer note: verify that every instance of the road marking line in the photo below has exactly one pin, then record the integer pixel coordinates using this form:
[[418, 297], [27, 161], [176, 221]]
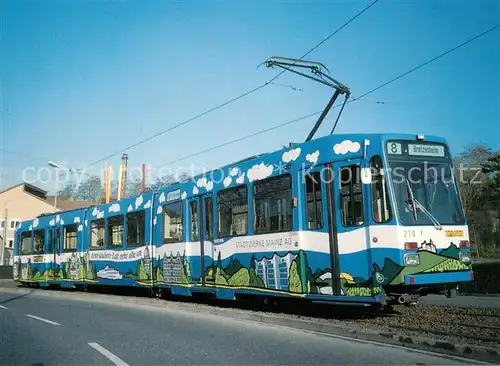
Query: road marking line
[[42, 319], [3, 307], [113, 358]]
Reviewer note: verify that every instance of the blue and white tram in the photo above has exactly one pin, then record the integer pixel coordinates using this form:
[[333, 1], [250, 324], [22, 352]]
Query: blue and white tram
[[355, 218]]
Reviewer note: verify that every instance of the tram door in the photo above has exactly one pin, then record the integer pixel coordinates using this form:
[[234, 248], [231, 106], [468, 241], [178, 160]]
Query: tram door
[[321, 215], [346, 216], [197, 236], [57, 251], [51, 250]]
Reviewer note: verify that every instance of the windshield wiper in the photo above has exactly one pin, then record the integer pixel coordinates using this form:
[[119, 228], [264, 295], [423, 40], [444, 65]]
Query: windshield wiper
[[435, 222], [416, 203], [412, 200]]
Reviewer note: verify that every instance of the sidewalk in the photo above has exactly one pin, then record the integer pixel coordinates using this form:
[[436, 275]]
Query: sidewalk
[[8, 283]]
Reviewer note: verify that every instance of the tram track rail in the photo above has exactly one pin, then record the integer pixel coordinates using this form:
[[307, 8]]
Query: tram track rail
[[442, 332], [479, 326]]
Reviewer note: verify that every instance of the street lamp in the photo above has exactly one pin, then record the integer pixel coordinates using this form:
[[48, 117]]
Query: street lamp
[[56, 167]]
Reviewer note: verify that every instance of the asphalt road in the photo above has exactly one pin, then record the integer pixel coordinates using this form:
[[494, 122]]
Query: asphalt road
[[45, 330]]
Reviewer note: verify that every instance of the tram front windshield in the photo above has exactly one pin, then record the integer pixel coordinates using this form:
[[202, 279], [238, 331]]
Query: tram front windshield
[[425, 190]]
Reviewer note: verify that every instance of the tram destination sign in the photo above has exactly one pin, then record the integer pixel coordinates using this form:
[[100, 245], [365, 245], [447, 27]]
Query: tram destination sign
[[426, 150], [174, 195], [406, 148]]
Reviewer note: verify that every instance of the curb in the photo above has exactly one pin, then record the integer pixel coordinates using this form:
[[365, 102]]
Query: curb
[[469, 352]]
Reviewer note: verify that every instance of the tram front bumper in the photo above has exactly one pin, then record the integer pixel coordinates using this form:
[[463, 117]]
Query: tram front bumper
[[439, 278]]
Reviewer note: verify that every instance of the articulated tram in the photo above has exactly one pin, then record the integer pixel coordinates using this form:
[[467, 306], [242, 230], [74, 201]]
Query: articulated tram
[[370, 218]]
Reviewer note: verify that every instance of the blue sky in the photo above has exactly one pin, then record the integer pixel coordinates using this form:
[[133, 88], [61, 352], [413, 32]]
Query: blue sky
[[83, 79]]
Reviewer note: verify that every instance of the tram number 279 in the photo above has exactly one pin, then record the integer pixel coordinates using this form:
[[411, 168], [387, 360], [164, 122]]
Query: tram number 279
[[410, 234]]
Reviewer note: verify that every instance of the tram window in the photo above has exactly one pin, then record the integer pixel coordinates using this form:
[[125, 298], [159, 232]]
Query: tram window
[[26, 242], [115, 231], [381, 208], [17, 244], [351, 196], [38, 241], [136, 228], [70, 237], [232, 211], [314, 208], [51, 239], [58, 240], [209, 218], [97, 234], [273, 204], [194, 220], [173, 222]]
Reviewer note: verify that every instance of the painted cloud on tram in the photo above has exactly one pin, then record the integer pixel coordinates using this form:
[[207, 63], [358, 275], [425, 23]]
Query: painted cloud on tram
[[227, 181], [202, 182], [259, 171], [115, 207], [138, 201], [234, 172], [291, 155], [313, 157], [209, 186], [346, 146], [240, 179]]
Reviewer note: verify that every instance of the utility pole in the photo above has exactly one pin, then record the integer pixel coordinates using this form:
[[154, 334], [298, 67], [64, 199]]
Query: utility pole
[[56, 167], [4, 239]]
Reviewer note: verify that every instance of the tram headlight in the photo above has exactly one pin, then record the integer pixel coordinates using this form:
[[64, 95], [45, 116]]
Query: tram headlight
[[411, 259], [464, 257]]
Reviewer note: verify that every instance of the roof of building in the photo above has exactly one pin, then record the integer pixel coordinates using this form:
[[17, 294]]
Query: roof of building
[[29, 188], [64, 203]]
